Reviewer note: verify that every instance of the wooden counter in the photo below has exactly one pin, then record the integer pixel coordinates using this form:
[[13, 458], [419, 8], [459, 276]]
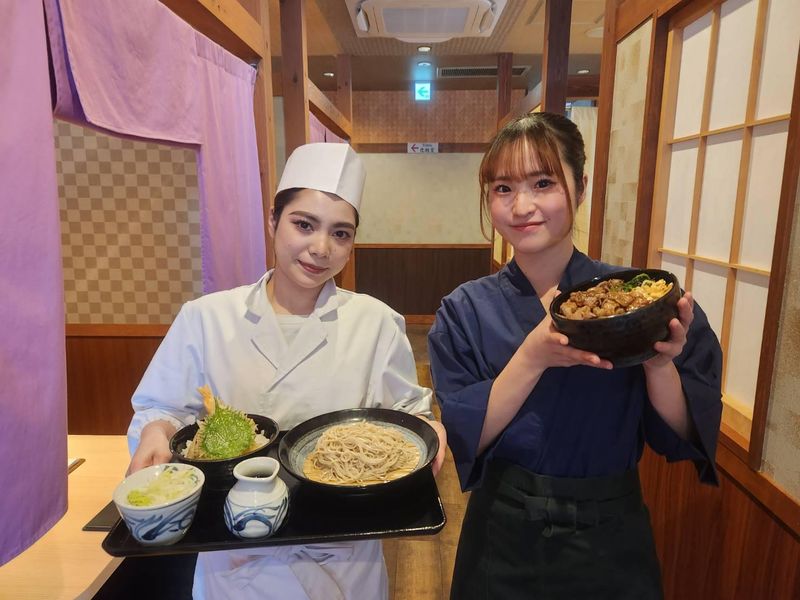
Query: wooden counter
[[67, 562]]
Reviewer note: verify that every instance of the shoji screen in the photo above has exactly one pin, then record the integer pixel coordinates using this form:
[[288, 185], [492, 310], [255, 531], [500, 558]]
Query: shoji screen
[[727, 96]]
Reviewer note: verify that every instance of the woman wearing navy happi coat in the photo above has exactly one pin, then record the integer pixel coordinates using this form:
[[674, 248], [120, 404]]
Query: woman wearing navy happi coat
[[547, 436]]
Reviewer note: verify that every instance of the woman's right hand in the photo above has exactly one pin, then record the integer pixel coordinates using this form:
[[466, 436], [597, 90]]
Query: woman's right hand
[[546, 347], [153, 446]]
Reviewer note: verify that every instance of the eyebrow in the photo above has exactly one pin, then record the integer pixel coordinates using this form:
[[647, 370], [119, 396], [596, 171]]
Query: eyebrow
[[505, 177], [316, 221]]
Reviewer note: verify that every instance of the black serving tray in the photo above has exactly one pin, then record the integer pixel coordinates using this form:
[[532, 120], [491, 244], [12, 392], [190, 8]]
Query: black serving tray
[[314, 517]]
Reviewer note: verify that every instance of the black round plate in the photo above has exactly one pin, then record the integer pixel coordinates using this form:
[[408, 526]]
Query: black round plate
[[301, 440]]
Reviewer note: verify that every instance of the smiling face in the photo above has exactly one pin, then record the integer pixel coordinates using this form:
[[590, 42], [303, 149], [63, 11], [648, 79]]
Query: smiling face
[[530, 205], [313, 238]]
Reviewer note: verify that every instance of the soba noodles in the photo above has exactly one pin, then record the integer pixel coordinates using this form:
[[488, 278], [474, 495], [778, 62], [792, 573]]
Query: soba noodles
[[360, 453]]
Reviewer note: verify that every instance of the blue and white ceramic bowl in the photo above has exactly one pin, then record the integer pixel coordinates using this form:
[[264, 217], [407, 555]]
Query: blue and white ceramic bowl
[[162, 522]]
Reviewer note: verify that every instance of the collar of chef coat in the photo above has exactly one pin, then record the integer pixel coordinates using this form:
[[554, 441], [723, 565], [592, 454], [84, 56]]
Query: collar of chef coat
[[268, 338]]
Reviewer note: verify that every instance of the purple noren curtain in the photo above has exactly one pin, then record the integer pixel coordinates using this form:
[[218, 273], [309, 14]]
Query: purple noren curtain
[[33, 407], [137, 69]]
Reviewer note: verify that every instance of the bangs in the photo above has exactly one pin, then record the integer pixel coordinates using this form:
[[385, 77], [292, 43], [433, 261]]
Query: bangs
[[514, 158]]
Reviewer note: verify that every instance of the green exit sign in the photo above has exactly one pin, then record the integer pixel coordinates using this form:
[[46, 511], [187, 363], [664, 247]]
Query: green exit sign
[[422, 91]]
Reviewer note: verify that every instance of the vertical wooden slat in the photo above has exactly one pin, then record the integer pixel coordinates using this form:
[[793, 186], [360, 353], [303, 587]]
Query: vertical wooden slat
[[701, 151], [650, 144], [505, 61], [664, 160], [603, 138], [344, 85], [264, 118], [294, 73], [780, 258], [558, 14]]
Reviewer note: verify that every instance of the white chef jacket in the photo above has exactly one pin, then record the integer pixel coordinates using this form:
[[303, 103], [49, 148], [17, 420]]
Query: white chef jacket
[[352, 351]]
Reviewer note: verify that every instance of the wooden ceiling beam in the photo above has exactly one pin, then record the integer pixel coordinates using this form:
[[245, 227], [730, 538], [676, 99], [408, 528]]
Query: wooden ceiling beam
[[557, 19], [344, 85], [224, 21], [505, 63], [327, 113], [294, 73]]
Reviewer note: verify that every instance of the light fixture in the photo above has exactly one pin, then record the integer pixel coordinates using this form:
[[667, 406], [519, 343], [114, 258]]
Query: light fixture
[[424, 63], [423, 49], [328, 74], [583, 71], [594, 32]]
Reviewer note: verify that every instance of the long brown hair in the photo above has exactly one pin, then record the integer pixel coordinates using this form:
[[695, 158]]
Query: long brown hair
[[550, 137]]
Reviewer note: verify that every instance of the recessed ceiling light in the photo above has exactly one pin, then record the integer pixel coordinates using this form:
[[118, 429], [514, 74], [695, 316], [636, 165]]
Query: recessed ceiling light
[[423, 63], [328, 74], [423, 49], [583, 71], [594, 32]]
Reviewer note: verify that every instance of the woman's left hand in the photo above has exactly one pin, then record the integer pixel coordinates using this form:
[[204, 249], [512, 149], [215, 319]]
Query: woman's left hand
[[678, 330], [440, 431]]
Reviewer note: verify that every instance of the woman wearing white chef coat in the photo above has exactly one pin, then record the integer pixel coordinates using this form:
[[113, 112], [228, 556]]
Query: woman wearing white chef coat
[[290, 346]]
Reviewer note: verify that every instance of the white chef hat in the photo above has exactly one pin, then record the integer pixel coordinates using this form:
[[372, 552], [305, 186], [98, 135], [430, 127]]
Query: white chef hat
[[332, 168]]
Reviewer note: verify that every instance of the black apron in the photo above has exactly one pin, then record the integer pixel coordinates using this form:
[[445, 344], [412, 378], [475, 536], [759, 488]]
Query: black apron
[[547, 538]]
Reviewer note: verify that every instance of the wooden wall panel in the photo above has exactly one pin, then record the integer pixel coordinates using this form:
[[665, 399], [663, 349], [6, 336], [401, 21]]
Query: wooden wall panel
[[102, 373], [414, 279], [716, 543]]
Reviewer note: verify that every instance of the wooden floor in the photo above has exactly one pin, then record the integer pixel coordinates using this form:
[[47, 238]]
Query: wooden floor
[[420, 568]]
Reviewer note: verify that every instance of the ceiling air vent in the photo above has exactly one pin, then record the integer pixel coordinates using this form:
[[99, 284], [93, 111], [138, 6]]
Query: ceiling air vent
[[455, 72], [424, 21]]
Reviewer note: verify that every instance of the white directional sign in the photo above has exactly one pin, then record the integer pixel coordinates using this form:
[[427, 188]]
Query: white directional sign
[[423, 148]]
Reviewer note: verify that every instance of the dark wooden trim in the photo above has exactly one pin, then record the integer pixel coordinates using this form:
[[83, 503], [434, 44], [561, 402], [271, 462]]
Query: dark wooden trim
[[99, 330], [419, 319], [327, 112], [444, 147], [777, 278], [583, 86], [649, 150], [764, 491], [344, 85], [383, 246], [505, 62], [557, 19], [294, 74], [603, 140], [632, 13]]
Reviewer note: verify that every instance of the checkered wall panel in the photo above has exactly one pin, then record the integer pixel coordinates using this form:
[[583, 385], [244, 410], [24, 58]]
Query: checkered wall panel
[[130, 227]]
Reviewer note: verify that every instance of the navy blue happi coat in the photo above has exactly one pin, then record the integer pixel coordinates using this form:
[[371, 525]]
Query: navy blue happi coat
[[578, 421]]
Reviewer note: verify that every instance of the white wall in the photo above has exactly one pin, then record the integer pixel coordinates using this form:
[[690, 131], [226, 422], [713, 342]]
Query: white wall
[[421, 199]]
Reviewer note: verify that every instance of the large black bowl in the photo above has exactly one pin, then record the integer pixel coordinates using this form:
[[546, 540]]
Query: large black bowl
[[301, 440], [626, 339], [219, 473]]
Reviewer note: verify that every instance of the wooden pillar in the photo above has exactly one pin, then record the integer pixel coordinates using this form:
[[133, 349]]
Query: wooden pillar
[[605, 103], [505, 61], [558, 15], [294, 73], [264, 118], [344, 85]]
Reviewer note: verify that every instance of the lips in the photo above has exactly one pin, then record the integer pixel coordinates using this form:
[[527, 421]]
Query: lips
[[314, 270], [525, 227]]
